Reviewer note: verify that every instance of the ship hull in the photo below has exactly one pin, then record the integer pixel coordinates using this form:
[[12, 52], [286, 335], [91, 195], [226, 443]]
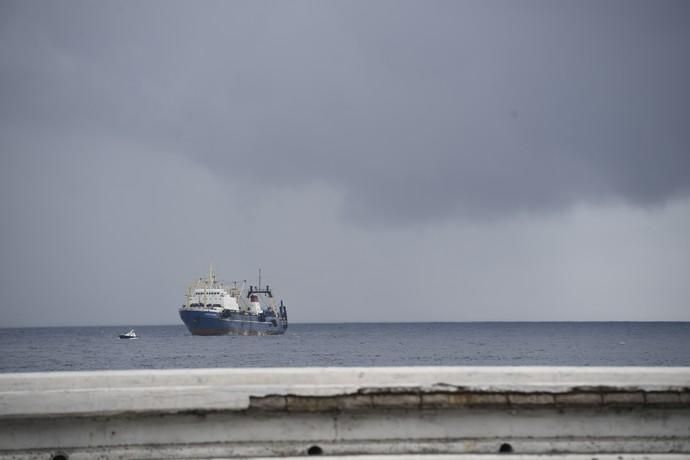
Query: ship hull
[[201, 322]]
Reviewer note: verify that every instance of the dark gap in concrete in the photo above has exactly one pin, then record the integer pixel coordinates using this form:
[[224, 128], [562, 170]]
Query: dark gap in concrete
[[314, 450]]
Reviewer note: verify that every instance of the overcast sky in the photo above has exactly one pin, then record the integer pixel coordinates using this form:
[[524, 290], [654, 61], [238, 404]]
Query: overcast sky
[[380, 161]]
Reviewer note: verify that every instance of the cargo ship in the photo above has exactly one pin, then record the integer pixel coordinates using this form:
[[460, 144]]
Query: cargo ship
[[217, 308]]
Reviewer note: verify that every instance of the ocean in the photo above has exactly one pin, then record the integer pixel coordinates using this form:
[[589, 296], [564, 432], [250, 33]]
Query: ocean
[[351, 344]]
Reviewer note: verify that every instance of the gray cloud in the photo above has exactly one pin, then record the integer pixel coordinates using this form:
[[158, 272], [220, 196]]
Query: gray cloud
[[528, 160], [415, 110]]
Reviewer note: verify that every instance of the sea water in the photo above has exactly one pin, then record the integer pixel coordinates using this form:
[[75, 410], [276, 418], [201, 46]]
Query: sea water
[[351, 344]]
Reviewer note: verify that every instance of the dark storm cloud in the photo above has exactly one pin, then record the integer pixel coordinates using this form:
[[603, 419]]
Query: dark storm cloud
[[509, 157], [415, 110]]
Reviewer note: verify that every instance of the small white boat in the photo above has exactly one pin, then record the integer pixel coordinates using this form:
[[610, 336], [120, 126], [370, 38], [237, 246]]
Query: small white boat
[[130, 335]]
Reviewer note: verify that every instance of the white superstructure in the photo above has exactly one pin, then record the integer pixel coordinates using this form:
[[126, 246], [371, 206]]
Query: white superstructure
[[212, 295]]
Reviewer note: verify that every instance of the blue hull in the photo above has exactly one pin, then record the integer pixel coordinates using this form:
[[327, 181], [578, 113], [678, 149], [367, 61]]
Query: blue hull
[[211, 323]]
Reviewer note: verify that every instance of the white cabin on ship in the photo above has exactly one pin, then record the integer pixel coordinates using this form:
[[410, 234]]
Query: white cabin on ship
[[211, 295]]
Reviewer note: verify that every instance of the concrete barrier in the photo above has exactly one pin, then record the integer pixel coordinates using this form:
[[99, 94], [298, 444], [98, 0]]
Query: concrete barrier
[[414, 412]]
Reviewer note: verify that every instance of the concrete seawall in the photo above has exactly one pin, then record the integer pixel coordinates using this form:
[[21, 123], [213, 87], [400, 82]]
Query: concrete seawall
[[415, 412]]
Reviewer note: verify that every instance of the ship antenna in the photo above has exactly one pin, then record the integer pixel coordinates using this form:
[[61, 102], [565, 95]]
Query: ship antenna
[[259, 279]]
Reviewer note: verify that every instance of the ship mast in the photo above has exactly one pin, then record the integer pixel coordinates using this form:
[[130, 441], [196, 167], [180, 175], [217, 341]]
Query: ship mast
[[211, 276]]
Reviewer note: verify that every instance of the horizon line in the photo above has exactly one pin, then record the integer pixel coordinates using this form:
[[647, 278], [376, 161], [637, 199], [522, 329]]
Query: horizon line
[[364, 322]]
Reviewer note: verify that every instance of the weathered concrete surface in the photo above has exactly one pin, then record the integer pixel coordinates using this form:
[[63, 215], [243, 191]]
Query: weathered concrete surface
[[228, 413]]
